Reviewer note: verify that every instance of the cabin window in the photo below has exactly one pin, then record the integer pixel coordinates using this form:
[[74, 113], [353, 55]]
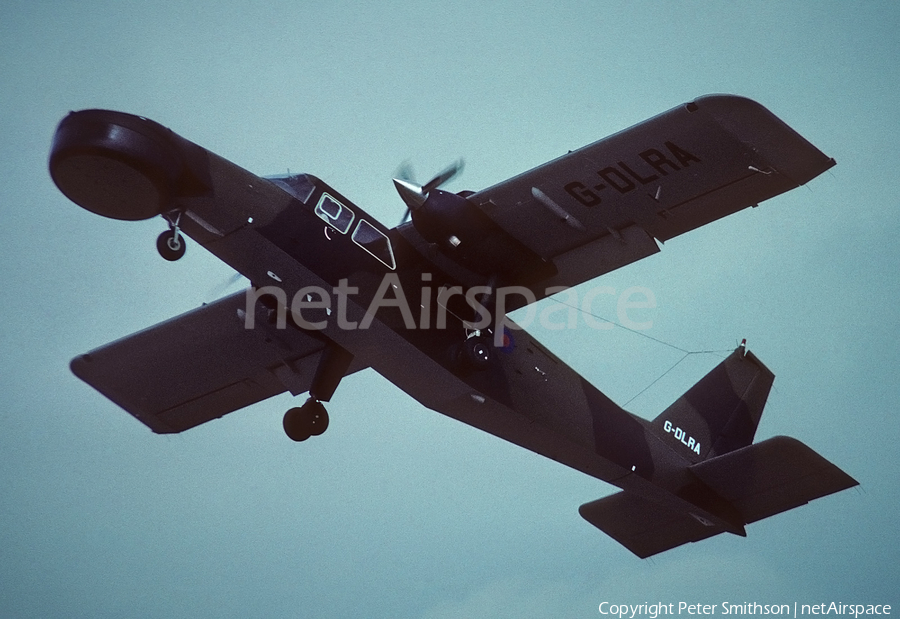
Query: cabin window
[[375, 242], [334, 213]]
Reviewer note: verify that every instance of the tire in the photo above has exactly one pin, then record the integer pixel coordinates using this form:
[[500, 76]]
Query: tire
[[300, 423], [294, 426], [316, 417], [171, 245], [476, 352]]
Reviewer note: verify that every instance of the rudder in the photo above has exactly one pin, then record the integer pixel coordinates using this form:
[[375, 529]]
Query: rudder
[[721, 412]]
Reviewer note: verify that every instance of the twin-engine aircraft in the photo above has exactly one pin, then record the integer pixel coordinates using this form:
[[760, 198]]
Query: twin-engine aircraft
[[424, 304]]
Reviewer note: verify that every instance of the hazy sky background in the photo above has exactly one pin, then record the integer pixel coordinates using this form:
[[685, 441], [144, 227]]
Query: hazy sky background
[[398, 511]]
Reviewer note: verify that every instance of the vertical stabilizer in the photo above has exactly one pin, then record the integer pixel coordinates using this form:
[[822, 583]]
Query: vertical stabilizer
[[721, 412]]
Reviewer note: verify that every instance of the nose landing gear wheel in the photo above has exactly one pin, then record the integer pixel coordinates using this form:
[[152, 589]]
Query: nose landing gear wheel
[[311, 419], [170, 245]]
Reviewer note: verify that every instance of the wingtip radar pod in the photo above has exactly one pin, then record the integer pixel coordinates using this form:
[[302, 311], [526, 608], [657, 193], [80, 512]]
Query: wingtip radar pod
[[425, 303]]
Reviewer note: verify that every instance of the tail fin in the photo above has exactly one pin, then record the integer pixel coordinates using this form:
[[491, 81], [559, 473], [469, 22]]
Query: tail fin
[[721, 412], [732, 481]]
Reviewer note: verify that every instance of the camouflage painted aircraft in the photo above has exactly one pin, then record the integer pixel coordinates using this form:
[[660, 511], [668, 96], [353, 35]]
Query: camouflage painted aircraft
[[424, 304]]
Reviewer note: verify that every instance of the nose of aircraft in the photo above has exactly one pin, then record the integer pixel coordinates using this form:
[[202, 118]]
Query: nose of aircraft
[[114, 164]]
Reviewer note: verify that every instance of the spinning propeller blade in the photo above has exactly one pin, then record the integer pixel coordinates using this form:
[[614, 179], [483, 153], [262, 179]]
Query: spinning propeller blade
[[415, 195], [443, 176]]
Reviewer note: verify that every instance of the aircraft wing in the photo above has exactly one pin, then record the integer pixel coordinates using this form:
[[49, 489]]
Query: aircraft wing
[[600, 207], [200, 366]]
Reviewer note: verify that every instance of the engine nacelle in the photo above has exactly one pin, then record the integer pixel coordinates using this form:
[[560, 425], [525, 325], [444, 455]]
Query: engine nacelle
[[117, 165], [472, 239]]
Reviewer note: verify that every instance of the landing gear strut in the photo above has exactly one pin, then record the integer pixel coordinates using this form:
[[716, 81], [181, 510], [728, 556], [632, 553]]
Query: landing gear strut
[[311, 419], [476, 352], [170, 244]]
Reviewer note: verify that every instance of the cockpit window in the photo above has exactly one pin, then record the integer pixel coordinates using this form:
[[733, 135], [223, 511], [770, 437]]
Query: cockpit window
[[375, 242], [336, 214], [298, 185]]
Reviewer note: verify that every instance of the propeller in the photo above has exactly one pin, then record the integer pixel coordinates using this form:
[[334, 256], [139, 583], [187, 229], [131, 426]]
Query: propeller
[[414, 195]]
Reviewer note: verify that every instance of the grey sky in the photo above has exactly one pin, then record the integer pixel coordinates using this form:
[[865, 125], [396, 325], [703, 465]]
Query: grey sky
[[397, 511]]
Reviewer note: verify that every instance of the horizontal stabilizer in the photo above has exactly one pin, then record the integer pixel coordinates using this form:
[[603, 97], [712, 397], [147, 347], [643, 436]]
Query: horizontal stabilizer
[[770, 477], [758, 481], [645, 527]]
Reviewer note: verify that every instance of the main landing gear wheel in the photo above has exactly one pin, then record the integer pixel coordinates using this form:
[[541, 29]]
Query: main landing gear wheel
[[311, 419], [170, 245], [476, 352]]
